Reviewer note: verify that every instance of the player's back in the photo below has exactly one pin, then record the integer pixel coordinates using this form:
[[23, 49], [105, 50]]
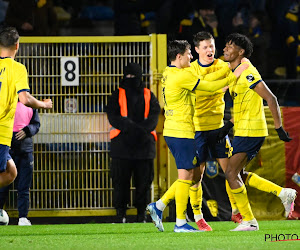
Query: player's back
[[178, 99], [13, 79]]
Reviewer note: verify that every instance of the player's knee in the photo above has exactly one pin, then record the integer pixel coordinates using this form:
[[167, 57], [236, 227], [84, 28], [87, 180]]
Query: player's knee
[[11, 171]]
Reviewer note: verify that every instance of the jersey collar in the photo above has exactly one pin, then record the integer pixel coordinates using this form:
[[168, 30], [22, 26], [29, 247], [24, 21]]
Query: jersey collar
[[236, 67], [205, 65]]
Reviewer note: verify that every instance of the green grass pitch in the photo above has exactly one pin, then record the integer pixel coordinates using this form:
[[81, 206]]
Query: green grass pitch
[[145, 236]]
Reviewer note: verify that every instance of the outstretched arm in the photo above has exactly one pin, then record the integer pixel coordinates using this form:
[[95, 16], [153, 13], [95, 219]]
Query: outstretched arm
[[28, 100], [262, 90], [212, 86]]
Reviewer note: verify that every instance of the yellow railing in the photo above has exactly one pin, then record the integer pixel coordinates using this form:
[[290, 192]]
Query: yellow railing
[[71, 169]]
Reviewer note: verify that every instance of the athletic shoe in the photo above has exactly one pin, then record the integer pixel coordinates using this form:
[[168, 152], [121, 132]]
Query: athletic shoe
[[251, 225], [186, 228], [156, 216], [288, 196], [236, 218], [24, 222], [203, 226]]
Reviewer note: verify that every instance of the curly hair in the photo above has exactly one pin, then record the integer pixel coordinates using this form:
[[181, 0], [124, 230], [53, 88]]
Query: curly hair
[[242, 41]]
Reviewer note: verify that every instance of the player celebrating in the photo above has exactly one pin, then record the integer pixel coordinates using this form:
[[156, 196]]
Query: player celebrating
[[178, 84], [13, 85], [250, 129]]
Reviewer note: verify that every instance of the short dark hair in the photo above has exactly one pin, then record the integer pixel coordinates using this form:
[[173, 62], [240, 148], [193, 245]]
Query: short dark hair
[[9, 37], [242, 41], [176, 47], [201, 36]]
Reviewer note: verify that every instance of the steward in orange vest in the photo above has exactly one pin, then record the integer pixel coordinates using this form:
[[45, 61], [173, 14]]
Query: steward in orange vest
[[132, 111]]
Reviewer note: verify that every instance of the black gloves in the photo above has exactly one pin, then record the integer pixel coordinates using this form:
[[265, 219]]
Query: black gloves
[[283, 135], [224, 131]]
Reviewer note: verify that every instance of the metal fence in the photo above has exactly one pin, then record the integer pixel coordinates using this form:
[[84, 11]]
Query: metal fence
[[71, 169]]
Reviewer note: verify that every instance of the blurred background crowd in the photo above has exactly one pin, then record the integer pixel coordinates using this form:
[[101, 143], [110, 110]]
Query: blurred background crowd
[[273, 26]]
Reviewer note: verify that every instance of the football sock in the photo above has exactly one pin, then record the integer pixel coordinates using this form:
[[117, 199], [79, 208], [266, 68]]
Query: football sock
[[253, 180], [181, 198], [194, 201], [242, 202], [200, 195], [169, 195], [160, 205], [231, 199]]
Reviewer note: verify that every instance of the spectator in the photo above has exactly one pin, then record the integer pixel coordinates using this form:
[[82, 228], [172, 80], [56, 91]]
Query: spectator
[[204, 19], [132, 111], [127, 17], [26, 125], [32, 18]]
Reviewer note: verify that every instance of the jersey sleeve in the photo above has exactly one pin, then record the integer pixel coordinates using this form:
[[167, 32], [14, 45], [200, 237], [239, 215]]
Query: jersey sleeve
[[187, 79], [221, 73], [21, 79], [251, 77], [212, 86]]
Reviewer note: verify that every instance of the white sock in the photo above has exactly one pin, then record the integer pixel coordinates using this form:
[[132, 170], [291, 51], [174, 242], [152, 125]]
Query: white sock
[[198, 217], [281, 194], [160, 205], [180, 222], [235, 211]]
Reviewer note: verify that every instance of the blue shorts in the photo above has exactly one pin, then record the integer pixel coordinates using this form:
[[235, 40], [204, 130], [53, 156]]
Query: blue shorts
[[4, 157], [208, 148], [184, 152], [249, 145]]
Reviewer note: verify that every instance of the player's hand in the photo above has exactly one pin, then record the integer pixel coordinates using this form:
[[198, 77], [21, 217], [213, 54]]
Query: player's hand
[[225, 88], [283, 135], [48, 103], [20, 135], [240, 69], [245, 60], [224, 131]]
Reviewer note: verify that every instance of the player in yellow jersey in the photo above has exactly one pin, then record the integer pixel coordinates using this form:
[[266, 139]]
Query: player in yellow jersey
[[250, 128], [178, 86], [13, 85]]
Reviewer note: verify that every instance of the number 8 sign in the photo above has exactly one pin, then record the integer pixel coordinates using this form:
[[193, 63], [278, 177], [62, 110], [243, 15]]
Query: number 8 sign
[[69, 71]]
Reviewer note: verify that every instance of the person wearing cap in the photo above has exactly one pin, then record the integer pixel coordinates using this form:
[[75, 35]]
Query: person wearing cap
[[132, 111]]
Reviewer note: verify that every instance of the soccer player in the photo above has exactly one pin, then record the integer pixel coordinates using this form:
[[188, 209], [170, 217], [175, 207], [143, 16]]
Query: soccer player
[[178, 86], [208, 121], [13, 85], [250, 129], [209, 127]]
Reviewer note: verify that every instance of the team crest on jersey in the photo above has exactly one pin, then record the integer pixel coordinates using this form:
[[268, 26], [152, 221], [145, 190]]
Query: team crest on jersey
[[212, 169], [233, 95], [250, 78]]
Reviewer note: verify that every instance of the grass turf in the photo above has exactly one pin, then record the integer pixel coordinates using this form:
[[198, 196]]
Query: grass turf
[[145, 236]]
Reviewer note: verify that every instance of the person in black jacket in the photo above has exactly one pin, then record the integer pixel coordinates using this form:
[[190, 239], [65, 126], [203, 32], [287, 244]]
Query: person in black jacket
[[26, 125], [132, 111]]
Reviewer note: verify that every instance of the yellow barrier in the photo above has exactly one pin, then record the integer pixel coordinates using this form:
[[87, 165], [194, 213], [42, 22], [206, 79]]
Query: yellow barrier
[[71, 170]]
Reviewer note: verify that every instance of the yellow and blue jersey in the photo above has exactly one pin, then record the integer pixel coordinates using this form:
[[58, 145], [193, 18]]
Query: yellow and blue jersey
[[13, 80], [179, 99], [248, 109], [209, 106]]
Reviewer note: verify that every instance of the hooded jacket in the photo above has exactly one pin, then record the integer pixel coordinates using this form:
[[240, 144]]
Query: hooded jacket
[[135, 140]]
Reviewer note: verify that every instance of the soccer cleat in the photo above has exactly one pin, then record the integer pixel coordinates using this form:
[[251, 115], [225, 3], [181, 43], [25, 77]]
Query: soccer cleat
[[156, 216], [288, 196], [186, 228], [236, 218], [203, 226], [250, 225], [24, 222]]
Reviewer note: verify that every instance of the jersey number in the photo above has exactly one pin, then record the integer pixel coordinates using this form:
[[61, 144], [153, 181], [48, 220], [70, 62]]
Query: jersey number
[[164, 96]]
